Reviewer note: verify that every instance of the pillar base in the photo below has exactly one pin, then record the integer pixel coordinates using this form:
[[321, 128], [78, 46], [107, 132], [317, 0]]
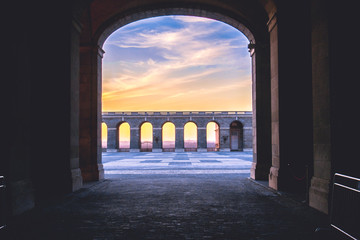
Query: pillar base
[[224, 149], [157, 150], [134, 150], [22, 196], [179, 150], [93, 173], [319, 194], [111, 150], [202, 150], [274, 178], [77, 181], [259, 171]]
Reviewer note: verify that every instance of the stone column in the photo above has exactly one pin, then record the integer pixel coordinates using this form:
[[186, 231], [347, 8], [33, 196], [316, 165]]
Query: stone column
[[77, 179], [224, 139], [179, 139], [201, 139], [291, 100], [157, 139], [274, 76], [261, 118], [321, 180], [90, 112], [134, 139], [112, 140]]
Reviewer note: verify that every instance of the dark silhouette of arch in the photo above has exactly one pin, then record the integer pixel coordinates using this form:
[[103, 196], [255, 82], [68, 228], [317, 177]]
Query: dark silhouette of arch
[[236, 136]]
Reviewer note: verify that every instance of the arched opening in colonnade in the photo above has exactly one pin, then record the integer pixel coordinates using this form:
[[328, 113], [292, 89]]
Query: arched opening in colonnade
[[124, 137], [236, 136], [99, 32], [168, 137], [213, 136], [104, 135], [146, 137], [190, 137]]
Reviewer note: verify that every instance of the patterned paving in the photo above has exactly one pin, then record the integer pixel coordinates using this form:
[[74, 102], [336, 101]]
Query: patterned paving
[[176, 163]]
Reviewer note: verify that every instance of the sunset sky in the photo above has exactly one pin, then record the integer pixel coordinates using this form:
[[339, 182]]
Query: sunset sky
[[176, 63]]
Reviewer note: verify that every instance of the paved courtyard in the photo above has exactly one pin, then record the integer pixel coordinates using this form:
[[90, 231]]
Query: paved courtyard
[[176, 163], [171, 196]]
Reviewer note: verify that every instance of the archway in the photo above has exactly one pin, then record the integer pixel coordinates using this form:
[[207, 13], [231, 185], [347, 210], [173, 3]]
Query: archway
[[213, 136], [258, 35], [236, 136], [190, 137], [124, 137], [146, 137], [168, 137], [104, 135]]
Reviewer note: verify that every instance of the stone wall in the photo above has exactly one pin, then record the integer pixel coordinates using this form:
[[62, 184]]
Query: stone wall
[[113, 120]]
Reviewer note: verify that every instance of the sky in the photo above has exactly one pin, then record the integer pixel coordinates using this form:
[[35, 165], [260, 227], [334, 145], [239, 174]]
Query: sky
[[176, 63]]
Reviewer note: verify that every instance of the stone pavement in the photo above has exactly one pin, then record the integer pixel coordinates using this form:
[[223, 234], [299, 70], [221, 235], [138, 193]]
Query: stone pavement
[[176, 163], [170, 207]]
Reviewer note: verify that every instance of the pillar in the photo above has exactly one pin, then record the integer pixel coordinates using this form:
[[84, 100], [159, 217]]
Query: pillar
[[274, 81], [179, 139], [261, 117], [76, 176], [201, 139], [291, 97], [157, 139], [90, 112], [320, 182], [224, 139], [112, 139], [134, 139]]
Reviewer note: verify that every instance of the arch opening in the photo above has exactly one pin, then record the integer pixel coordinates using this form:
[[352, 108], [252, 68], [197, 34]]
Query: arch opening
[[103, 31], [212, 137], [124, 137], [190, 137], [236, 136], [146, 137], [104, 136], [168, 137]]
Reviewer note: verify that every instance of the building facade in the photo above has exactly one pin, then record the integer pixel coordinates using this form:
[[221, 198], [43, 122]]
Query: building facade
[[233, 130]]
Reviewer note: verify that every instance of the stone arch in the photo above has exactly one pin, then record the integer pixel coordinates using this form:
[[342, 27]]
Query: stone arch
[[168, 142], [123, 136], [120, 20], [146, 136], [104, 134], [249, 17], [236, 136], [213, 139], [190, 136]]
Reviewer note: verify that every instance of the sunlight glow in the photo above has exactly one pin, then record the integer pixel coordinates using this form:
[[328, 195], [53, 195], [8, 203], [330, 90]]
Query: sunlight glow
[[190, 135], [212, 135], [124, 135], [146, 133], [104, 135], [168, 135]]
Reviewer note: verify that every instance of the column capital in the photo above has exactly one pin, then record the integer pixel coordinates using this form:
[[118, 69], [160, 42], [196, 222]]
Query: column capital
[[272, 22], [251, 47], [92, 48], [77, 24]]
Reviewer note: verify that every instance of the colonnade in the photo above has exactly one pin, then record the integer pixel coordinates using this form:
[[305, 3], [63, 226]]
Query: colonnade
[[234, 131]]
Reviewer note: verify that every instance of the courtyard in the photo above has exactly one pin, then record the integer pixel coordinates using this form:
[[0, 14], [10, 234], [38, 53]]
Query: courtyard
[[117, 163]]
